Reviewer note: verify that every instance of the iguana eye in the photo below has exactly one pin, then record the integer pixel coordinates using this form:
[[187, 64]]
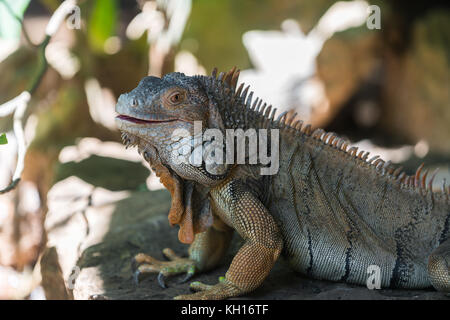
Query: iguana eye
[[176, 97]]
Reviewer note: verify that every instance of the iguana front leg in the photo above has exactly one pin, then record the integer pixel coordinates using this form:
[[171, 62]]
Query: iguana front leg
[[205, 253], [240, 209]]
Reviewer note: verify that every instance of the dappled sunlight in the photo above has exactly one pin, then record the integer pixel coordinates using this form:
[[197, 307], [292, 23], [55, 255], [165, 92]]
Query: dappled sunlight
[[78, 200], [87, 147]]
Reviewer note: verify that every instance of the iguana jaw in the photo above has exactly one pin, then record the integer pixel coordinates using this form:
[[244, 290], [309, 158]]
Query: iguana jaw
[[152, 119]]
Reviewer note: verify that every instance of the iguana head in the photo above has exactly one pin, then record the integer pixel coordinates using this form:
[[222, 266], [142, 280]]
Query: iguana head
[[162, 112], [159, 116], [158, 106]]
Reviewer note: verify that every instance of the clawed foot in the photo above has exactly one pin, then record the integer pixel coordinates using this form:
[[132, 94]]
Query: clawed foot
[[224, 289], [143, 264]]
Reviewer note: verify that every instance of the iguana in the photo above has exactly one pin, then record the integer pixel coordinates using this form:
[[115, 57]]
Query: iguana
[[329, 210]]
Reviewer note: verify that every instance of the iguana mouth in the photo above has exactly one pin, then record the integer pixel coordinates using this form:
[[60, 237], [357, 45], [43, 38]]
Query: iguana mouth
[[155, 119]]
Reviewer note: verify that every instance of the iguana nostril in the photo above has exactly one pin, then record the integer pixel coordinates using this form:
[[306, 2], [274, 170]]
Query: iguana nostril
[[134, 102]]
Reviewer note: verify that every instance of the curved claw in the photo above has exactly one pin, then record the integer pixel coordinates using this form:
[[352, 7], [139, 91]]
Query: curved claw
[[136, 277], [161, 282], [188, 277]]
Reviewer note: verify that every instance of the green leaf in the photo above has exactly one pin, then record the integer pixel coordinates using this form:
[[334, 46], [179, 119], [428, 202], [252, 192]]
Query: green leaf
[[11, 13], [3, 139], [102, 23]]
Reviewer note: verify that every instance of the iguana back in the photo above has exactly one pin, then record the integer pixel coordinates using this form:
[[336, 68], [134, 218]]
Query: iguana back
[[341, 213]]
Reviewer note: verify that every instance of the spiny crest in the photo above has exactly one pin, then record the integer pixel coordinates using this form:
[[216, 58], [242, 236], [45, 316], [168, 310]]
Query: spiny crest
[[418, 181], [228, 81], [230, 78], [284, 121]]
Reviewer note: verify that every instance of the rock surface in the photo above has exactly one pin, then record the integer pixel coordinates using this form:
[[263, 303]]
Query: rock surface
[[96, 246]]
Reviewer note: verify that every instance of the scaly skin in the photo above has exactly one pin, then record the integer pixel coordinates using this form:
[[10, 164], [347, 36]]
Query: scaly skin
[[330, 210]]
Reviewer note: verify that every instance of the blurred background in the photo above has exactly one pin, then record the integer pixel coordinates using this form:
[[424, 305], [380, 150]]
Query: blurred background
[[383, 84]]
